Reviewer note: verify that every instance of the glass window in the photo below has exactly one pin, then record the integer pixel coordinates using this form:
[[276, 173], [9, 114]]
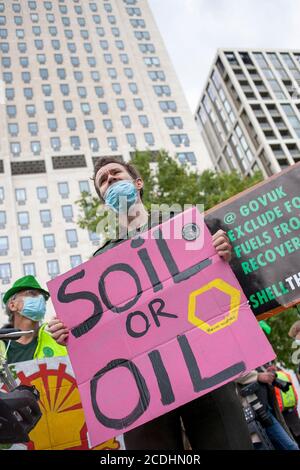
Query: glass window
[[15, 148], [85, 108], [65, 89], [99, 91], [1, 194], [75, 260], [42, 194], [121, 103], [128, 72], [84, 34], [89, 125], [117, 88], [31, 110], [88, 47], [94, 237], [53, 30], [72, 47], [58, 58], [52, 125], [100, 31], [72, 124], [107, 123], [36, 30], [39, 44], [11, 110], [81, 21], [67, 212], [2, 219], [133, 88], [53, 268], [49, 106], [112, 73], [24, 62], [61, 73], [4, 47], [13, 129], [79, 76], [5, 273], [95, 75], [108, 58], [20, 195], [36, 147], [3, 33], [68, 106], [93, 7], [124, 58], [28, 93], [72, 238], [92, 61], [119, 44], [47, 90], [23, 220], [149, 138], [104, 44], [55, 143], [185, 157], [63, 189], [16, 7], [144, 120], [20, 33], [69, 33], [112, 143], [94, 144], [66, 21], [49, 242], [180, 139], [4, 246], [131, 139], [6, 62], [138, 103], [22, 47], [126, 121], [115, 31], [29, 269], [44, 74], [75, 142], [45, 216], [103, 107], [26, 77], [84, 186], [107, 7], [75, 61], [26, 245], [7, 77], [33, 128]]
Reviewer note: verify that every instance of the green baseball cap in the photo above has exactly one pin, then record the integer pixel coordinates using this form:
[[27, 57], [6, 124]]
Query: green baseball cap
[[24, 283]]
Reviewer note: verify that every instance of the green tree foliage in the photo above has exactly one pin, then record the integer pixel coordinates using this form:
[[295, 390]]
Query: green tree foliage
[[281, 342]]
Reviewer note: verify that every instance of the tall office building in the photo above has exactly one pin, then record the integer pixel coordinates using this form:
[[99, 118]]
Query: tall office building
[[79, 80], [249, 112]]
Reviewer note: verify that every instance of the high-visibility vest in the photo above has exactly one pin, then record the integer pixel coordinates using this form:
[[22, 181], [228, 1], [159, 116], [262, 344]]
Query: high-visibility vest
[[46, 346], [289, 399]]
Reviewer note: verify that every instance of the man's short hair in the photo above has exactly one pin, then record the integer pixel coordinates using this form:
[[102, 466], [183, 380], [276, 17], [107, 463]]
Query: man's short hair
[[102, 161]]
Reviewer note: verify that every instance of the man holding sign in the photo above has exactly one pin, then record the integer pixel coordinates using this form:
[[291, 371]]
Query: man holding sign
[[214, 421]]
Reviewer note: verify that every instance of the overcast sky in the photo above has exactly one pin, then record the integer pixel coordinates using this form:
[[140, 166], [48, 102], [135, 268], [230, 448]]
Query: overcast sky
[[194, 29]]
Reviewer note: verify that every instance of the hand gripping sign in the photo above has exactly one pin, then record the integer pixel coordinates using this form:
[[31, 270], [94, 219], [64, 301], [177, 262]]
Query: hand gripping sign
[[155, 324]]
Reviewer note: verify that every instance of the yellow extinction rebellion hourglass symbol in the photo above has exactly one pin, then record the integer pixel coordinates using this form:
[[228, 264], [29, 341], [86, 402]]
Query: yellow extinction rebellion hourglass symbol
[[232, 316]]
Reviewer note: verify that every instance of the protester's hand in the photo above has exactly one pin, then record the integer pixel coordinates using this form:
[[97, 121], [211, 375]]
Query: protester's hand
[[222, 245], [58, 331], [271, 369], [266, 377]]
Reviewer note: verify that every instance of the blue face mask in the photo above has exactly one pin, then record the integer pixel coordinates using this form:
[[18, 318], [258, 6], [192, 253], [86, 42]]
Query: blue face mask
[[34, 308], [121, 196]]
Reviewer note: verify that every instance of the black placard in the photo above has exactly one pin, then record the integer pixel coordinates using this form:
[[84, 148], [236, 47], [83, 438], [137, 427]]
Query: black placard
[[263, 224]]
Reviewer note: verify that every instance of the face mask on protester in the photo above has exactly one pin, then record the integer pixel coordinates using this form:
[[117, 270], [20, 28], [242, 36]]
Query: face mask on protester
[[121, 196], [34, 308], [297, 341]]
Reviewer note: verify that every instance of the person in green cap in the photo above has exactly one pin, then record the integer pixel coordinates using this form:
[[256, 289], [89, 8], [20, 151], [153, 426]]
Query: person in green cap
[[25, 305]]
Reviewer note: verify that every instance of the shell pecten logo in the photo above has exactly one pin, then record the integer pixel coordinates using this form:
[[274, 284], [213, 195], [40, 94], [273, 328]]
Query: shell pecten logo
[[232, 316]]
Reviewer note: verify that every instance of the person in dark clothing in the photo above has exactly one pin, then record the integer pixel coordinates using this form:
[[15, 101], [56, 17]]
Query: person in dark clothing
[[214, 421]]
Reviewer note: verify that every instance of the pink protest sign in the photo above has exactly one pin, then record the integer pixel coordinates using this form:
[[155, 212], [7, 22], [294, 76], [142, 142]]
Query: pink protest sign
[[155, 322]]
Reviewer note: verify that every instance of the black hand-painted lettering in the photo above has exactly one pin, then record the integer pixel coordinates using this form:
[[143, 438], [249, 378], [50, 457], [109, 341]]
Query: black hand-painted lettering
[[65, 298], [165, 387], [205, 383], [153, 276], [141, 406], [129, 328], [171, 263], [102, 289], [157, 311]]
